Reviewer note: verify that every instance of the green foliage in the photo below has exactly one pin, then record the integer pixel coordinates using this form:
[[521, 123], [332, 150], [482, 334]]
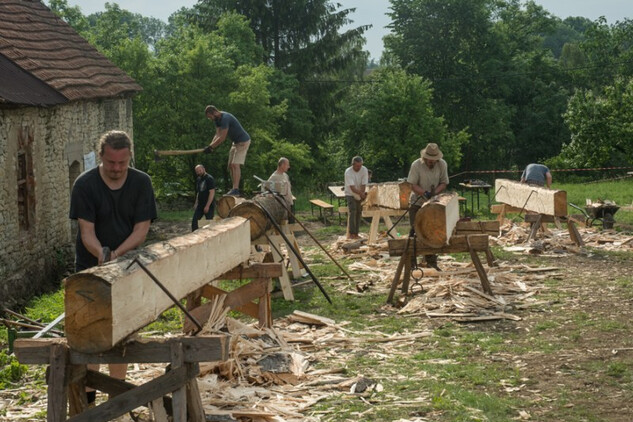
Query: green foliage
[[601, 126], [11, 370], [389, 120]]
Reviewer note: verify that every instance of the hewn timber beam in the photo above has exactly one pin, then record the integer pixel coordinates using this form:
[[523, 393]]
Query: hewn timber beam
[[531, 198]]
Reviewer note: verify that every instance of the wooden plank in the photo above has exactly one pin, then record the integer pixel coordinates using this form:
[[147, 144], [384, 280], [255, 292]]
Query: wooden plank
[[308, 318], [382, 212], [489, 227], [77, 399], [260, 270], [195, 410], [457, 244], [436, 219], [321, 204], [150, 350], [105, 304], [239, 299], [533, 218], [531, 198], [394, 195], [115, 387], [179, 395], [503, 208], [574, 233], [483, 277], [139, 396], [57, 396]]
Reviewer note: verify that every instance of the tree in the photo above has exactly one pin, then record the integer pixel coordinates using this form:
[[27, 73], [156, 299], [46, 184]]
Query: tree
[[390, 119], [70, 14], [302, 38], [601, 127]]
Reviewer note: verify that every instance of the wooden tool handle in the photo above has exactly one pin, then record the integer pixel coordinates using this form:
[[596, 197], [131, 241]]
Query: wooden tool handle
[[180, 151]]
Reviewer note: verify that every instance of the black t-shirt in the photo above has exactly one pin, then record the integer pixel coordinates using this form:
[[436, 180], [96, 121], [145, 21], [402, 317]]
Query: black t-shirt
[[113, 212], [204, 184]]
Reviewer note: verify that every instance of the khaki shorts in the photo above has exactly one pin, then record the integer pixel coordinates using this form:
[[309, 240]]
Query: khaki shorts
[[237, 154]]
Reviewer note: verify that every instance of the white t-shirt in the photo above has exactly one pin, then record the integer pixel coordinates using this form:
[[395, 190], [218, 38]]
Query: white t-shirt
[[280, 183], [355, 178]]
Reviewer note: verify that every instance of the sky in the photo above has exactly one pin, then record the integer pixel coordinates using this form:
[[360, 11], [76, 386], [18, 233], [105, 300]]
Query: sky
[[373, 12]]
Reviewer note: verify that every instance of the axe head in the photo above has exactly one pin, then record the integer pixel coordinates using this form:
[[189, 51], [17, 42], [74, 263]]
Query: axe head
[[157, 156]]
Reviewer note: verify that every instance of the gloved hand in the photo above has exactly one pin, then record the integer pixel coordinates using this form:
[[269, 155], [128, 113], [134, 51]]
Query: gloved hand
[[428, 194], [208, 150]]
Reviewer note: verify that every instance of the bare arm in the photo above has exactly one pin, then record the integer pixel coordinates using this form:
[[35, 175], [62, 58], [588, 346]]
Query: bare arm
[[89, 239], [220, 136], [548, 179], [135, 239]]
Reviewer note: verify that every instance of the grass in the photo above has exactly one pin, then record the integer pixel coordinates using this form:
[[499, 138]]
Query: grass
[[462, 372]]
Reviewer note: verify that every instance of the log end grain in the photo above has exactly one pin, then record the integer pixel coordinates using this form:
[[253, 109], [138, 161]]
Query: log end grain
[[87, 323]]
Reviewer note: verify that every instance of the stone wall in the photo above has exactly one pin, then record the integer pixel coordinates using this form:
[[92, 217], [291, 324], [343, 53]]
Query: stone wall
[[33, 256]]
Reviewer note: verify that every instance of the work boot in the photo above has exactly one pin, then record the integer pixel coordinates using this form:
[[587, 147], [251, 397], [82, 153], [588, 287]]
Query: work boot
[[431, 261], [234, 192]]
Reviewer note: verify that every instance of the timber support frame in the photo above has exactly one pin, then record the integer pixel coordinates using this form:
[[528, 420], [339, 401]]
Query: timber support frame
[[67, 377], [472, 244]]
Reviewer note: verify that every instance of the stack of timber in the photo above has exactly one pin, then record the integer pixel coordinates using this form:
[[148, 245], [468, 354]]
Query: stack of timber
[[394, 195], [436, 219], [227, 203], [255, 211], [531, 198], [106, 304]]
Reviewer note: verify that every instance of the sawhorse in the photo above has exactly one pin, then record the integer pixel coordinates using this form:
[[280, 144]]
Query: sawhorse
[[67, 377], [240, 299], [404, 248], [376, 213]]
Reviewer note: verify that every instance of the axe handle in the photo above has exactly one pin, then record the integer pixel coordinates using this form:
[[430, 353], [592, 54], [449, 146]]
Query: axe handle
[[180, 151]]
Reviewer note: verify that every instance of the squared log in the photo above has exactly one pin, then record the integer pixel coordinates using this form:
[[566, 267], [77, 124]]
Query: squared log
[[394, 195], [106, 304], [436, 219], [531, 198]]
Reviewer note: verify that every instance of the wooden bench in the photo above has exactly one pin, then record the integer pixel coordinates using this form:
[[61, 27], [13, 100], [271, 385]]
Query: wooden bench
[[322, 206]]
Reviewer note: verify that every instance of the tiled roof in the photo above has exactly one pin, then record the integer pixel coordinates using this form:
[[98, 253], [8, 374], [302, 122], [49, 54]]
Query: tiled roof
[[37, 41]]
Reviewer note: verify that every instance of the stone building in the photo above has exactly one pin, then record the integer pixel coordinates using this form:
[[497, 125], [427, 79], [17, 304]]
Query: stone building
[[57, 96]]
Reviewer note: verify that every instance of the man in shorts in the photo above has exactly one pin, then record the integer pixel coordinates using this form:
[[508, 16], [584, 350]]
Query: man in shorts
[[226, 125]]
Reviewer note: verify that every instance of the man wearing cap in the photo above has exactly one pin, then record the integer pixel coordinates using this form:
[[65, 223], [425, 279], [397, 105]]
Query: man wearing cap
[[428, 177], [537, 175]]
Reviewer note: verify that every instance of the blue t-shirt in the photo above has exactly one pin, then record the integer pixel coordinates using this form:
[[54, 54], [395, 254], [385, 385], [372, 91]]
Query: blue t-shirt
[[535, 173], [236, 133]]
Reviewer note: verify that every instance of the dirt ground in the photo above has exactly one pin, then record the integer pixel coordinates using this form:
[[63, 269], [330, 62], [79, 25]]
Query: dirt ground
[[585, 357], [573, 348]]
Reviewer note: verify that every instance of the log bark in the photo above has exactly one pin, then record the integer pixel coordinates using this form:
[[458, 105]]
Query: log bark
[[531, 198], [258, 220], [394, 195], [227, 203], [106, 304], [436, 219]]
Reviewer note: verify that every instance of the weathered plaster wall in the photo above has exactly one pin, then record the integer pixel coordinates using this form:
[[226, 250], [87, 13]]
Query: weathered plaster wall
[[32, 261]]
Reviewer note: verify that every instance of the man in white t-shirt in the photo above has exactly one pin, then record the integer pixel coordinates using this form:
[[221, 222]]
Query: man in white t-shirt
[[356, 179]]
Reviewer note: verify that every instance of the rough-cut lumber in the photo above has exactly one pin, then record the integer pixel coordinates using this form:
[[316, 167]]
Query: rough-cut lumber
[[473, 227], [253, 211], [105, 304], [394, 195], [436, 219], [531, 198], [207, 348], [227, 203], [479, 243]]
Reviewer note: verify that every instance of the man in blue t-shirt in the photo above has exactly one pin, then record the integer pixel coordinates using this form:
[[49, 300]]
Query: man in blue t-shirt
[[226, 125], [114, 206], [537, 175]]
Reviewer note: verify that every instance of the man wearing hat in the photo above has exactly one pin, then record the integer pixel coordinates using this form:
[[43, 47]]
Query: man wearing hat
[[428, 177]]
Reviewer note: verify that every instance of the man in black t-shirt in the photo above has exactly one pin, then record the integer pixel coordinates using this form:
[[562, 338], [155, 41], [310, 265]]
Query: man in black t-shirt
[[205, 193], [114, 206]]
